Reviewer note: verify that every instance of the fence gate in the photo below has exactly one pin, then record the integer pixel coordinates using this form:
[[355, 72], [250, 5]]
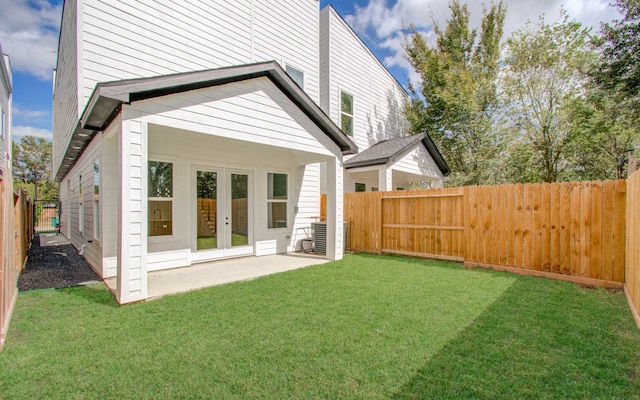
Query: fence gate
[[46, 216]]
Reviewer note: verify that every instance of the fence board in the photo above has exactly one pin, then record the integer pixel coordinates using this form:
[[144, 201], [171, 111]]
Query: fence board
[[565, 233], [574, 210], [536, 234], [511, 227], [596, 230], [585, 232], [608, 215], [518, 218], [546, 207], [619, 230], [555, 225]]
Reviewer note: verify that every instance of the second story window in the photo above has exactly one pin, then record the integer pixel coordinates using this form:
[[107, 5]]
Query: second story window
[[296, 75], [346, 113]]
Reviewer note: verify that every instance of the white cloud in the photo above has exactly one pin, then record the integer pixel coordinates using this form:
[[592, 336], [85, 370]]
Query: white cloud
[[29, 35], [383, 21], [18, 132], [30, 113]]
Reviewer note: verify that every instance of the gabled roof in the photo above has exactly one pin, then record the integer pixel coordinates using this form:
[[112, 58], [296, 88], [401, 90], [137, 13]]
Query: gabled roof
[[107, 98], [392, 150]]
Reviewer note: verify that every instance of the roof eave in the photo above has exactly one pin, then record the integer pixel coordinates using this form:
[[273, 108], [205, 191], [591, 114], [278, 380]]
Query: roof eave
[[107, 98], [366, 163], [436, 155]]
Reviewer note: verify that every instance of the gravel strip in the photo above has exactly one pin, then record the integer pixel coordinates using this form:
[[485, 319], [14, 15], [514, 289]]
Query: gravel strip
[[55, 267]]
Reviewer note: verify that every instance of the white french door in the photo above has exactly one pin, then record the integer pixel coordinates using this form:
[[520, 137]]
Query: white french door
[[222, 213]]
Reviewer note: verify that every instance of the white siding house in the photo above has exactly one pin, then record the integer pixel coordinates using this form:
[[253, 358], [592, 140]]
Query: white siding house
[[8, 270], [6, 92], [367, 102], [191, 131]]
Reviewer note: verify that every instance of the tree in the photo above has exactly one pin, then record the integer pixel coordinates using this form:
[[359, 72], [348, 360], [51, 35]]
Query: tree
[[32, 166], [545, 72], [619, 66], [457, 99], [604, 132], [610, 114]]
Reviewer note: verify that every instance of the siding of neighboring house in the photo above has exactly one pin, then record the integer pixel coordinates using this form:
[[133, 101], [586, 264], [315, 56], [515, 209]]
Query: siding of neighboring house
[[419, 162], [70, 198], [5, 106], [65, 92], [9, 261], [348, 65]]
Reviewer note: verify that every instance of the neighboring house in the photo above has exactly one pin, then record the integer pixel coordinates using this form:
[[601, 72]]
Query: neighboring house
[[187, 132], [6, 90], [366, 101], [8, 271]]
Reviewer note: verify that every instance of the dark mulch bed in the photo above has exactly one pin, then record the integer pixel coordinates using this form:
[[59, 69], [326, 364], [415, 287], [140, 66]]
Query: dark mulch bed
[[54, 267]]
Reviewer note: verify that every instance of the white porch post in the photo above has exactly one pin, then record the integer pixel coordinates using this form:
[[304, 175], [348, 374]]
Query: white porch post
[[334, 209], [132, 213], [385, 177]]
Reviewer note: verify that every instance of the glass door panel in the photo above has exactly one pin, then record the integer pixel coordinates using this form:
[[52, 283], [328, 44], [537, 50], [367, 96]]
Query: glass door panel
[[207, 210], [239, 210]]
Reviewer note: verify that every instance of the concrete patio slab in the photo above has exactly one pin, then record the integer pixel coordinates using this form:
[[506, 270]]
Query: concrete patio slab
[[202, 275]]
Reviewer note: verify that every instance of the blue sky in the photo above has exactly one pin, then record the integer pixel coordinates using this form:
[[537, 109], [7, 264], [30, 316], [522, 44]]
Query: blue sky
[[29, 34]]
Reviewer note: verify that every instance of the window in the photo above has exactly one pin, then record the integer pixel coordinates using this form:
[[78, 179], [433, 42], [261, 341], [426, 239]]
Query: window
[[80, 206], [361, 187], [346, 113], [277, 189], [160, 193], [2, 123], [374, 189], [296, 75], [399, 188], [96, 199]]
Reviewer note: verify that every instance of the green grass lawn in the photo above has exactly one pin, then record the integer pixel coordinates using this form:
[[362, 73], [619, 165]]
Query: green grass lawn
[[366, 327]]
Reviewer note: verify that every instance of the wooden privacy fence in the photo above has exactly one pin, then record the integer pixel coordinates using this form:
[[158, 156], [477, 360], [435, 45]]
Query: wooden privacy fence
[[573, 231], [16, 231], [632, 267]]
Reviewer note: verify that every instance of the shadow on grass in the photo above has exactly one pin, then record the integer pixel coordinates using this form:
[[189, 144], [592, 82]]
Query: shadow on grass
[[540, 339], [96, 293]]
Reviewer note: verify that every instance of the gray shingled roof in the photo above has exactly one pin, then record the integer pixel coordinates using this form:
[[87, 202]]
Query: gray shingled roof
[[391, 150], [107, 98]]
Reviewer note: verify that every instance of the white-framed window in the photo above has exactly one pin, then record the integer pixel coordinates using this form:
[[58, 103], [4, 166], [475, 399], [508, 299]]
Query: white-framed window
[[80, 206], [346, 113], [296, 75], [361, 187], [160, 193], [277, 197], [2, 123], [96, 199], [374, 189]]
